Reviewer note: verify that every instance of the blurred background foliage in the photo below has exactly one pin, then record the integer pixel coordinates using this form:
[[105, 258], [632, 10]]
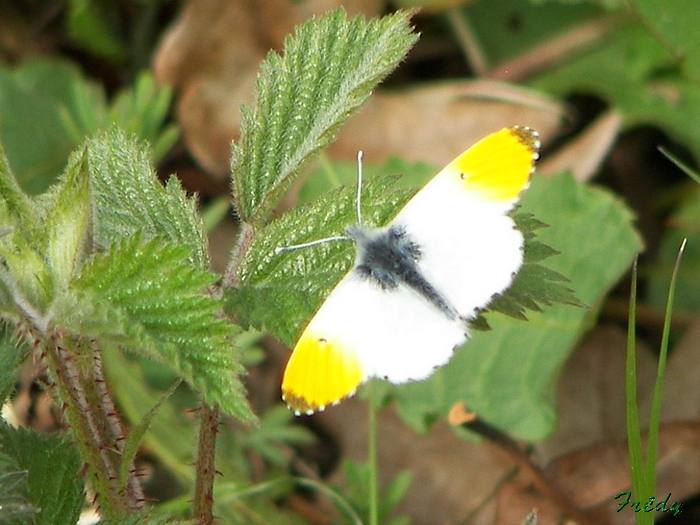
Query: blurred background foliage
[[71, 68]]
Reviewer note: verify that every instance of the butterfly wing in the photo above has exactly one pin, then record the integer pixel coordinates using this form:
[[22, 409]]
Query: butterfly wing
[[470, 247], [363, 331], [470, 251]]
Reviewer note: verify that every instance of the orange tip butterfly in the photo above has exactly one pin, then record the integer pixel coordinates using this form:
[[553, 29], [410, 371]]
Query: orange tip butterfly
[[406, 303]]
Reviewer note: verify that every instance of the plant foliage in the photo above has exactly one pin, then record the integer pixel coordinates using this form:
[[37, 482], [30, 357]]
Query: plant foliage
[[329, 68]]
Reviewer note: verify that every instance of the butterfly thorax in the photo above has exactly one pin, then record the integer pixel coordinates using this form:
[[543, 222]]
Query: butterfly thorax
[[388, 257]]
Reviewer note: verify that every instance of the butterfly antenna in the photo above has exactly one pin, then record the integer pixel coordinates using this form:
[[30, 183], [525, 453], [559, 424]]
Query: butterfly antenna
[[284, 249], [359, 186]]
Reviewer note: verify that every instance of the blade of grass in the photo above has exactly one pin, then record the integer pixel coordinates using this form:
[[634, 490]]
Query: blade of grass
[[654, 420], [644, 473], [634, 436], [682, 165]]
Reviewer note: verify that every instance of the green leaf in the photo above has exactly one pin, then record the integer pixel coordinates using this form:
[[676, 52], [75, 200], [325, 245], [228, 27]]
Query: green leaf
[[26, 285], [356, 476], [52, 463], [534, 285], [129, 197], [87, 24], [675, 24], [31, 131], [263, 298], [69, 223], [146, 297], [634, 73], [143, 111], [507, 29], [507, 375], [14, 508], [136, 434], [275, 434], [147, 518], [13, 352], [170, 434], [329, 68], [48, 107]]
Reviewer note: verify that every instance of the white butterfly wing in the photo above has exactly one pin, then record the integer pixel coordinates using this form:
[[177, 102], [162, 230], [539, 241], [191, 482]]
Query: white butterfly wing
[[470, 251], [363, 331], [470, 247]]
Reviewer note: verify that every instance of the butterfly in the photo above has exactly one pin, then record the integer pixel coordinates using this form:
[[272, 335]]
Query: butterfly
[[404, 307]]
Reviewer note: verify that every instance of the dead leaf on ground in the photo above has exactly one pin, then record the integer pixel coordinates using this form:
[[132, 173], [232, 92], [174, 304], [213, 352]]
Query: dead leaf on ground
[[450, 477], [583, 464]]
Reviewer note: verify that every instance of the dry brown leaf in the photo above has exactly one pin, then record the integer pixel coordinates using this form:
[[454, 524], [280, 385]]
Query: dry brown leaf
[[211, 56], [593, 477], [435, 123], [450, 477], [591, 393]]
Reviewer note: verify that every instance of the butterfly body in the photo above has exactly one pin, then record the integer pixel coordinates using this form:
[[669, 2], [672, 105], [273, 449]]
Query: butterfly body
[[404, 306]]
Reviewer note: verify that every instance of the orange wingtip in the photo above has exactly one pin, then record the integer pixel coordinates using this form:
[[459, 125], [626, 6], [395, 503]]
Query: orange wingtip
[[319, 373], [500, 165]]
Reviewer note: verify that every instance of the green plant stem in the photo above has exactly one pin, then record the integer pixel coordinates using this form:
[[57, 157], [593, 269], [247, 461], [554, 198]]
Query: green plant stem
[[89, 410], [206, 465], [132, 485], [244, 241], [373, 463]]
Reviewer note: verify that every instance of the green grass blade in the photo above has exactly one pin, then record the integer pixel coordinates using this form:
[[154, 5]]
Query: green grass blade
[[690, 172], [654, 420], [634, 437]]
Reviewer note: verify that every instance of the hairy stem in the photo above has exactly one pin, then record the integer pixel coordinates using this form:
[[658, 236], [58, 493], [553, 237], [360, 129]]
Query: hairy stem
[[116, 430], [244, 241], [206, 464], [89, 410]]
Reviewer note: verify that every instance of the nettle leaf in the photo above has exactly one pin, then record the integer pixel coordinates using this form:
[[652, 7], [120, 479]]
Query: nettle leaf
[[14, 507], [52, 462], [329, 68], [13, 352], [26, 284], [280, 292], [535, 285], [68, 220], [129, 198], [145, 296]]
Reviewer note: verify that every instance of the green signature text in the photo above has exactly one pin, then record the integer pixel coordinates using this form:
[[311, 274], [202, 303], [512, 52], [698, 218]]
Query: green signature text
[[649, 505]]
